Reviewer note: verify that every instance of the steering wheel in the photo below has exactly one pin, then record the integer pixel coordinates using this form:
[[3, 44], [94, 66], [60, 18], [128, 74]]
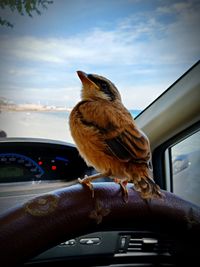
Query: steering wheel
[[47, 220]]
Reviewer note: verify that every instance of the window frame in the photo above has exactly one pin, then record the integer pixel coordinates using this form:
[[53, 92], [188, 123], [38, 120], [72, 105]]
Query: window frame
[[161, 158]]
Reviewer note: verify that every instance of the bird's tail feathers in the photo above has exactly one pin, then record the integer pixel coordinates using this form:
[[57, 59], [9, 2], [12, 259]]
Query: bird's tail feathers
[[147, 188], [141, 177]]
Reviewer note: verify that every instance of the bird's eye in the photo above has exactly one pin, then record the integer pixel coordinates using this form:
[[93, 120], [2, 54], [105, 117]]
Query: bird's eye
[[104, 86], [107, 90]]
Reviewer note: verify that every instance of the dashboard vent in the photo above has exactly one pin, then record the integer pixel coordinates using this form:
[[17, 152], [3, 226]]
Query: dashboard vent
[[145, 243], [135, 245], [149, 244]]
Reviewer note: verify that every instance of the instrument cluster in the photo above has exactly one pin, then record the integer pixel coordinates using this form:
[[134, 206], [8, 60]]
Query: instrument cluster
[[38, 160]]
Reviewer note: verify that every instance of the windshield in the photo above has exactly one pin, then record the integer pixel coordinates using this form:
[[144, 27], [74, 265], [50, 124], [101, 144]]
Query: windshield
[[141, 46]]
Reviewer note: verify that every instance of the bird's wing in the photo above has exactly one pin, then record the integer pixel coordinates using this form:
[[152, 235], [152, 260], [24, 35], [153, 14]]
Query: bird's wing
[[118, 130], [130, 144]]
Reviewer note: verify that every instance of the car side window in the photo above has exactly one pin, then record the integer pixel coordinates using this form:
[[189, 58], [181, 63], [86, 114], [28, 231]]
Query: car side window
[[185, 168]]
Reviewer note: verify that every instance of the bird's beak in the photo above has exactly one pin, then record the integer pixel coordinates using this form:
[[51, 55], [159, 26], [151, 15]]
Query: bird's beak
[[85, 80]]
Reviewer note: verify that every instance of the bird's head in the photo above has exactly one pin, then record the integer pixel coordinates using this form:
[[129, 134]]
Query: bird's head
[[98, 87]]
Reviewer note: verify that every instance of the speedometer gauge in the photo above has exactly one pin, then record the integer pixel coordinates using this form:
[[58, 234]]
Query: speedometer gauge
[[16, 167]]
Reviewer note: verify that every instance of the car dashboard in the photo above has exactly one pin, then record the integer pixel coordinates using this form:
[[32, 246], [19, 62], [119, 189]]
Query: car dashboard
[[39, 160], [30, 167]]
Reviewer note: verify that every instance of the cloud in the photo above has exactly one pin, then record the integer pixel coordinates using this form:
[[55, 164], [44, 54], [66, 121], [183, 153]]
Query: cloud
[[96, 48], [179, 7], [32, 49], [21, 72], [142, 37], [141, 49], [59, 96], [133, 96]]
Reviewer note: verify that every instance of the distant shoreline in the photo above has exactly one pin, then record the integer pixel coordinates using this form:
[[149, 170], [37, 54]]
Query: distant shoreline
[[36, 109], [47, 109]]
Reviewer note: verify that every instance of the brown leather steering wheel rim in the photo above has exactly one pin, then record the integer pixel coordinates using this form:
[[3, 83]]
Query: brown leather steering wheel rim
[[49, 219]]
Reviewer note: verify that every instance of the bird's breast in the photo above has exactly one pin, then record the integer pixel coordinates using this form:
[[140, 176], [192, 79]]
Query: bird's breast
[[92, 147]]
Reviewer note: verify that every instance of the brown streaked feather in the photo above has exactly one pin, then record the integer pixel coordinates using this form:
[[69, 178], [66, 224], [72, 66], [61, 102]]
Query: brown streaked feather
[[127, 146], [118, 149], [108, 139], [117, 130]]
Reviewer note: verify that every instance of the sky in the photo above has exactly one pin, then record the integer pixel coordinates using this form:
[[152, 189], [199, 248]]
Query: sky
[[142, 46]]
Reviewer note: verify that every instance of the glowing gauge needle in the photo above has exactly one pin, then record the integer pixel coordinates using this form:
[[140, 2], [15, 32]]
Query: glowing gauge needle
[[11, 160]]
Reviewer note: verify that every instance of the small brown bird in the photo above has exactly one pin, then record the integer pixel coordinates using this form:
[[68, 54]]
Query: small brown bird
[[108, 139]]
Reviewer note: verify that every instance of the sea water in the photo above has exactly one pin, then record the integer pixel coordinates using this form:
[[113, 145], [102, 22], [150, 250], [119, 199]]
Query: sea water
[[49, 124]]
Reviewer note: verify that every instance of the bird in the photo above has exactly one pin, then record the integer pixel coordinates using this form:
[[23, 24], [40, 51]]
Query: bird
[[108, 139]]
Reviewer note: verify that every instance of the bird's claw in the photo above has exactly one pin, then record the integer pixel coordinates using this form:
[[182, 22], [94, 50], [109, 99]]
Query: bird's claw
[[124, 191], [86, 181], [123, 184]]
